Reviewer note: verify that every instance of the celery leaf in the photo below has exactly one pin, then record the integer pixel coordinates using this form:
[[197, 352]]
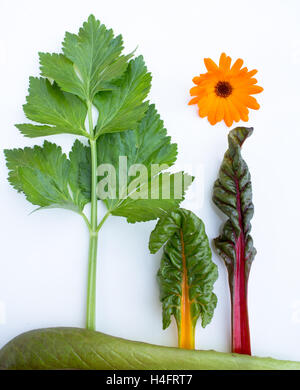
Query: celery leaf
[[47, 104], [123, 107], [44, 175]]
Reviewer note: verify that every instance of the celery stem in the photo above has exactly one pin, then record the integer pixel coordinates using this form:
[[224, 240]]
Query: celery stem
[[93, 244]]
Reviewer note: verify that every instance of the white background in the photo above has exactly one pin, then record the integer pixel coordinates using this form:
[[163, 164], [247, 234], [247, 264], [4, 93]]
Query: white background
[[43, 257]]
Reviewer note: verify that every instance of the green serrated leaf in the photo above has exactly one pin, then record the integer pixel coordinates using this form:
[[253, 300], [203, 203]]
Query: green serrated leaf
[[47, 104], [43, 175], [123, 107], [90, 61], [96, 55], [141, 206], [59, 68], [79, 175], [150, 149], [187, 273]]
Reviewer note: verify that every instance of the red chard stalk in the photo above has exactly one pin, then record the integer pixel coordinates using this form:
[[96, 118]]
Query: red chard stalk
[[232, 194]]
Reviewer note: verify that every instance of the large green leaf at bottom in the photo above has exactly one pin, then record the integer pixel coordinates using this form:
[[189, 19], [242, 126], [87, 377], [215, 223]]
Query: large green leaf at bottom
[[186, 257], [75, 348]]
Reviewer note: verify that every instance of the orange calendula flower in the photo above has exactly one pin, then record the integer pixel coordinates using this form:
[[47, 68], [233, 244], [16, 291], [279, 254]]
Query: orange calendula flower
[[224, 92]]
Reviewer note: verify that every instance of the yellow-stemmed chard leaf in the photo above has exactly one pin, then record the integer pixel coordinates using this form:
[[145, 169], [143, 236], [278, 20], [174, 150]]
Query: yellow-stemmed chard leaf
[[186, 275]]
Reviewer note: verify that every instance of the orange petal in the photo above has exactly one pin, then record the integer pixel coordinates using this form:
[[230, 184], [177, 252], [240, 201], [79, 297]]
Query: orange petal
[[220, 110], [242, 109], [210, 65], [237, 65], [244, 117], [233, 111], [243, 71], [204, 105], [227, 64], [195, 91], [242, 81], [253, 89], [249, 101], [196, 80], [252, 73], [222, 61], [212, 112], [195, 100], [227, 117], [252, 103]]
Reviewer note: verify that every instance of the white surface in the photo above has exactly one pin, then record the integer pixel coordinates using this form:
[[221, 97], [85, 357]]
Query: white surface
[[43, 258]]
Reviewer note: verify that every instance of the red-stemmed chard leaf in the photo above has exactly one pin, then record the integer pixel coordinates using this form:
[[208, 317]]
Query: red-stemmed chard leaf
[[232, 194]]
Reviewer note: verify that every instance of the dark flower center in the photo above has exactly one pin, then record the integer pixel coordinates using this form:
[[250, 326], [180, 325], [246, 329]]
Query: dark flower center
[[223, 89]]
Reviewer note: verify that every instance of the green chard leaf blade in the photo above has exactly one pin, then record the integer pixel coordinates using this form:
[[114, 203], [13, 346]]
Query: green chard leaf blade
[[44, 175], [187, 273], [232, 194], [142, 194], [123, 107], [47, 104]]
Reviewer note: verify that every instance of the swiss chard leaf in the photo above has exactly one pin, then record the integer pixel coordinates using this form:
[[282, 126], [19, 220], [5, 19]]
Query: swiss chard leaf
[[123, 107], [43, 174], [47, 104], [187, 273], [232, 194]]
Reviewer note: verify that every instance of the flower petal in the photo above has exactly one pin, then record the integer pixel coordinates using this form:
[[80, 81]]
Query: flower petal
[[210, 65], [227, 117], [195, 100], [237, 65], [222, 61], [212, 112], [253, 89], [233, 110], [249, 101], [196, 80], [204, 105], [220, 110]]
